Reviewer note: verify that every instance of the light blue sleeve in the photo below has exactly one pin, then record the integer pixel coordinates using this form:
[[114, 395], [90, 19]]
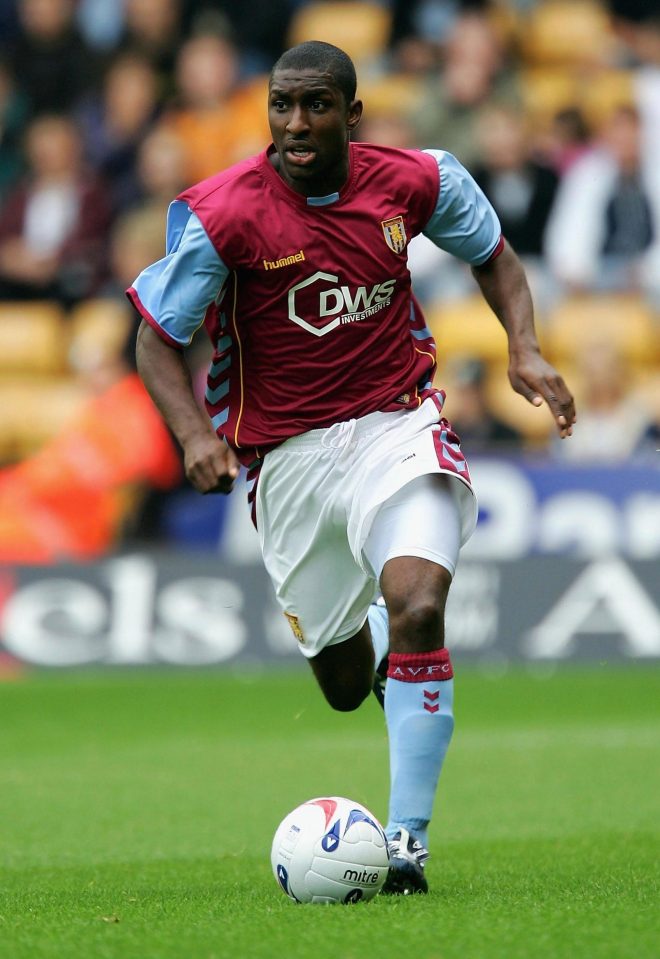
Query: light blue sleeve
[[176, 291], [463, 223]]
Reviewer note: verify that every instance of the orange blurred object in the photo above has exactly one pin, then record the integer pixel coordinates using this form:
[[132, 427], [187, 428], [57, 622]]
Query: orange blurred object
[[69, 501], [217, 137]]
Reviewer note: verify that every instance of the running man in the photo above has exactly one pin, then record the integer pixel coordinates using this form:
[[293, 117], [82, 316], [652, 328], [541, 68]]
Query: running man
[[321, 385]]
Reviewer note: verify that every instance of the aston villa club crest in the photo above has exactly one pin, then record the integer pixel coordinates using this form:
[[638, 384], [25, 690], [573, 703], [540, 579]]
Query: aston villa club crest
[[394, 231]]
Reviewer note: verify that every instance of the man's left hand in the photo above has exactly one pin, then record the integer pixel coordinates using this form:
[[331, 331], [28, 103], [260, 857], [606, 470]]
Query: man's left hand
[[538, 381]]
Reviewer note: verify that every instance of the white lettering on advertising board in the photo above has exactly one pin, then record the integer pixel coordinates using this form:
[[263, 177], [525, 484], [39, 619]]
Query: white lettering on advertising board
[[67, 622], [606, 598]]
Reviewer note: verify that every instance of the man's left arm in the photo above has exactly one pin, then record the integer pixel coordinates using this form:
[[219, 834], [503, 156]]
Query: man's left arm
[[465, 224], [504, 286]]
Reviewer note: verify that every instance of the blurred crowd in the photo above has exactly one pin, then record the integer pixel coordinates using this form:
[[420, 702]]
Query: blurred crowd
[[109, 108]]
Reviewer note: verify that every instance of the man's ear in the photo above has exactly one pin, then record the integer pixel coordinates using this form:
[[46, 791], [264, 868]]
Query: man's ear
[[354, 114]]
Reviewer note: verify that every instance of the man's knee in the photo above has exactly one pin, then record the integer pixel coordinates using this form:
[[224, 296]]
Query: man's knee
[[345, 671], [347, 697], [417, 613], [419, 616], [418, 626]]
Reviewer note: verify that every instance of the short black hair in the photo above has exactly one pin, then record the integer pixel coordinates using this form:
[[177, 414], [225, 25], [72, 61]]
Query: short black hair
[[325, 58]]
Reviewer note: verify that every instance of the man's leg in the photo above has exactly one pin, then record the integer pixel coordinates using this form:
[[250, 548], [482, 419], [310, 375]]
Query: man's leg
[[418, 702], [345, 671], [421, 519]]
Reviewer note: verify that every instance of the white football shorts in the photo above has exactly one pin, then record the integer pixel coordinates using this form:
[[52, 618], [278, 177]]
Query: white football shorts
[[333, 505]]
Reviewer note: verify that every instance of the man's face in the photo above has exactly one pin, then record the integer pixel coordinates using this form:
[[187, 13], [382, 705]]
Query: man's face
[[310, 123]]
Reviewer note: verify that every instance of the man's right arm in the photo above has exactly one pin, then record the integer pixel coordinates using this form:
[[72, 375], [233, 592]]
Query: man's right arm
[[210, 465], [172, 296]]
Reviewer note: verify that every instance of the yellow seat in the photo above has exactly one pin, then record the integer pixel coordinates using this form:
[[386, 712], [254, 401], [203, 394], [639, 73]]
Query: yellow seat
[[535, 423], [33, 337], [390, 95], [33, 410], [647, 393], [568, 32], [607, 92], [359, 27], [546, 91], [467, 326], [99, 327], [624, 319]]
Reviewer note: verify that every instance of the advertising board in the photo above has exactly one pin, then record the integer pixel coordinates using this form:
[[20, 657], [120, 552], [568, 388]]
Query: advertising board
[[169, 609]]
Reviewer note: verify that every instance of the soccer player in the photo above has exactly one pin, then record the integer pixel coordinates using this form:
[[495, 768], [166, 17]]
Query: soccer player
[[321, 385]]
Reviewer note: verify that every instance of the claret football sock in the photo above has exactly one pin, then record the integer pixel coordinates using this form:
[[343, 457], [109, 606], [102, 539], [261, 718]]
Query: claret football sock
[[419, 699]]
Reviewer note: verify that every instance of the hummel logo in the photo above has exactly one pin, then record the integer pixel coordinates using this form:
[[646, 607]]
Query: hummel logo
[[284, 261]]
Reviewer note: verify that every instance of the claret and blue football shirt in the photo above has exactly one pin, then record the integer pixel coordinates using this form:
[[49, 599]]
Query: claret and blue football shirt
[[308, 300]]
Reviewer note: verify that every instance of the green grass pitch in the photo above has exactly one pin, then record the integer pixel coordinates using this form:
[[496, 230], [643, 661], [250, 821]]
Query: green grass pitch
[[137, 811]]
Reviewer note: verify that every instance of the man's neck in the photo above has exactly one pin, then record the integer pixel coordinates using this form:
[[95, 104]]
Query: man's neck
[[313, 188]]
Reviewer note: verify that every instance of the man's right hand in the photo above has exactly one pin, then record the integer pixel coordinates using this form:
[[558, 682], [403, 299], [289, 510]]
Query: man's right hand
[[210, 465]]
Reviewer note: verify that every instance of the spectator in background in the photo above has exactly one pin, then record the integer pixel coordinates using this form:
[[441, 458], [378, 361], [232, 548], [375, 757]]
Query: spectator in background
[[471, 412], [115, 122], [136, 236], [638, 23], [568, 140], [161, 170], [521, 190], [472, 76], [612, 421], [217, 122], [50, 59], [420, 31], [8, 21], [258, 27], [136, 239], [100, 22], [53, 226], [152, 28], [649, 441], [14, 113], [604, 232]]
